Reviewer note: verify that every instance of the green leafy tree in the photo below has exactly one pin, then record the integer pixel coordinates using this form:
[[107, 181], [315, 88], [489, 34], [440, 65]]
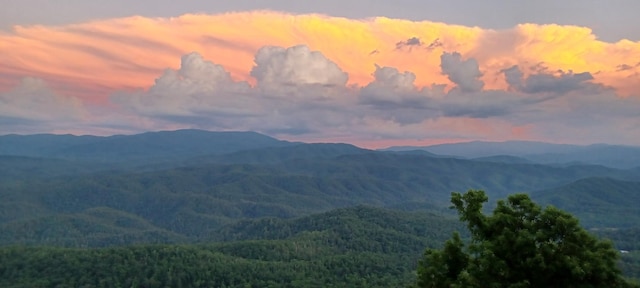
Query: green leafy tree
[[520, 245]]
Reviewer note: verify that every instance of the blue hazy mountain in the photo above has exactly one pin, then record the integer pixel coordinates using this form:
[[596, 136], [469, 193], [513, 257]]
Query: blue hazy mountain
[[145, 147], [617, 156]]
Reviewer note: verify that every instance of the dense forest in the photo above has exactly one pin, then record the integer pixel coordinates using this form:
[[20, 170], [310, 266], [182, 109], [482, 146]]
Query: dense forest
[[520, 244], [351, 247], [192, 208]]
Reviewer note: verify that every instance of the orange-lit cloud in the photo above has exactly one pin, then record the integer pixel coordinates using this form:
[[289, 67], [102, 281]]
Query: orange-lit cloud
[[408, 80], [128, 53]]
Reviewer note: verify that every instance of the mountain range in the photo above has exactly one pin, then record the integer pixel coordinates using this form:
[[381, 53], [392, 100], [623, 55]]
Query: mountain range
[[235, 188], [143, 148], [186, 184], [616, 156]]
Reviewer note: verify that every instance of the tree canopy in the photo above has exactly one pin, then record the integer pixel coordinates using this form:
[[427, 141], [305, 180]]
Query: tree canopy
[[520, 245]]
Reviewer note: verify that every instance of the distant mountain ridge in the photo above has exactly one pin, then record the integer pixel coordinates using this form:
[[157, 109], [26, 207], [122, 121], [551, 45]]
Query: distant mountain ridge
[[176, 186], [476, 149], [188, 143], [615, 156], [504, 159], [149, 146]]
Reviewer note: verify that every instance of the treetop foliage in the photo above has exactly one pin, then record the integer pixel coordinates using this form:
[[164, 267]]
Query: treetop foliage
[[520, 245]]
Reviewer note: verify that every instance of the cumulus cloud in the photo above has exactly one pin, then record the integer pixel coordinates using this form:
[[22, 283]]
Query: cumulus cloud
[[464, 73], [297, 73], [563, 105], [296, 65], [197, 88], [305, 90], [293, 94], [287, 101], [391, 87], [565, 82], [394, 96], [542, 81], [526, 95], [32, 102], [126, 53], [513, 76]]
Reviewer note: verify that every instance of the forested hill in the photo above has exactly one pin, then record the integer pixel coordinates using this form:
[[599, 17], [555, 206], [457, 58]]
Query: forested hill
[[597, 201], [365, 222], [194, 201], [144, 148], [352, 247], [239, 196], [67, 201]]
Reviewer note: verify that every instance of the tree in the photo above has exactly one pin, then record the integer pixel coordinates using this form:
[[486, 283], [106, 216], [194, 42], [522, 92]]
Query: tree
[[520, 245]]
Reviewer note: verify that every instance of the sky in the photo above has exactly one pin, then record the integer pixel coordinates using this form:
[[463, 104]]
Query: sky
[[383, 73]]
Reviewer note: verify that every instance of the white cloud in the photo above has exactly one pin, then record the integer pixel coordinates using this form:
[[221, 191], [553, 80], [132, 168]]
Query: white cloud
[[296, 65], [199, 87], [297, 92]]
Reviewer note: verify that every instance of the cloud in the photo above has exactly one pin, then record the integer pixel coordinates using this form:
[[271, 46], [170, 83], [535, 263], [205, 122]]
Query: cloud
[[128, 53], [559, 82], [513, 77], [624, 67], [296, 65], [31, 105], [565, 82], [310, 77], [394, 96], [409, 43], [390, 87], [585, 117], [530, 94], [197, 88], [294, 93], [464, 73], [296, 72], [435, 44], [288, 98]]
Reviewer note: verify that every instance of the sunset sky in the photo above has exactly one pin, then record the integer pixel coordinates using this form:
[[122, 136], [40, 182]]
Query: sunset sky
[[372, 73]]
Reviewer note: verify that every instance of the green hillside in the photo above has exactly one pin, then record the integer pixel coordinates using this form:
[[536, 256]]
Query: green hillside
[[352, 247], [201, 209], [192, 202], [597, 201], [355, 247]]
